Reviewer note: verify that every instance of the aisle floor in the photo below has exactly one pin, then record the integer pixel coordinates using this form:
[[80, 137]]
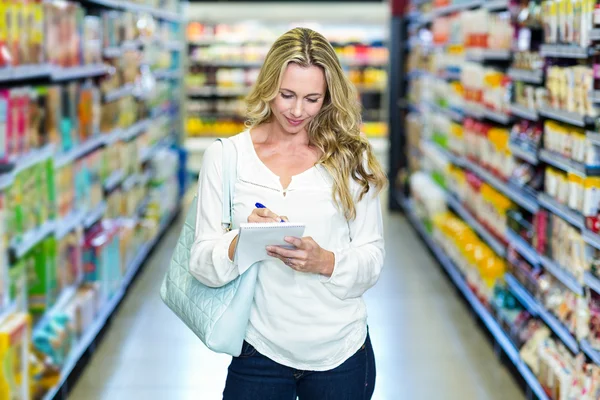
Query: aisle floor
[[428, 344]]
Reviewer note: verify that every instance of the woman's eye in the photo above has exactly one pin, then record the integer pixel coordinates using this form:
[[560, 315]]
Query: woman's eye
[[312, 100], [286, 96]]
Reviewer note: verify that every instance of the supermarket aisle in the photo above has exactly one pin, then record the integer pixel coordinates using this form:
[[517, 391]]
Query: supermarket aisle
[[426, 342]]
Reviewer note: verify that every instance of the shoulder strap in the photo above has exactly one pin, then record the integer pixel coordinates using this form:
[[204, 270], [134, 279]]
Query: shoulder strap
[[229, 177]]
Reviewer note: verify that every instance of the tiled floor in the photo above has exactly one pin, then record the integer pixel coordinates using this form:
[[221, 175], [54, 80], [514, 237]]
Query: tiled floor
[[427, 343]]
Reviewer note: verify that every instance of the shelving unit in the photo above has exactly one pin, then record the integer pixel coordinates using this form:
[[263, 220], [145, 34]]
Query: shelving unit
[[491, 324], [501, 79], [108, 164], [61, 390]]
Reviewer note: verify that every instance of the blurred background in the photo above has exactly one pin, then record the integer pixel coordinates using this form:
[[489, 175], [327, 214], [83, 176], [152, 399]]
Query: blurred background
[[482, 112]]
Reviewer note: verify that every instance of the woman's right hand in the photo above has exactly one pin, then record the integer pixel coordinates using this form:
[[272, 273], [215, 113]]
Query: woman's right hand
[[258, 215], [264, 215]]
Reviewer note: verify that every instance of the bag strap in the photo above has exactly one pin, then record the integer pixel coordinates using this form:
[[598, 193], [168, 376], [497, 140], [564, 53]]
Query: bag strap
[[229, 176]]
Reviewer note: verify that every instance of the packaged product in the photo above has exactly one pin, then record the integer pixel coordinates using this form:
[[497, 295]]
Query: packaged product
[[14, 338]]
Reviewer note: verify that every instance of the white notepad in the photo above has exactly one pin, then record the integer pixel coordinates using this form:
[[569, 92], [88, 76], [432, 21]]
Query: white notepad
[[254, 238]]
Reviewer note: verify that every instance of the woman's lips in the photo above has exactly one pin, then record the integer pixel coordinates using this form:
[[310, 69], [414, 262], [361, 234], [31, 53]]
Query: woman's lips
[[294, 122]]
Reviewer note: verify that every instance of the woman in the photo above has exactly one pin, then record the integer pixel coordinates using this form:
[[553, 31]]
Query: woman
[[302, 157]]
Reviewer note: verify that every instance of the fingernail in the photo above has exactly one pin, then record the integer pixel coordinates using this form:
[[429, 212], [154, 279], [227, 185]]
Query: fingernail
[[269, 248]]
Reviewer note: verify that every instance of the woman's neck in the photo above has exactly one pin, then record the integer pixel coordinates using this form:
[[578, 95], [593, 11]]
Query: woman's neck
[[275, 133]]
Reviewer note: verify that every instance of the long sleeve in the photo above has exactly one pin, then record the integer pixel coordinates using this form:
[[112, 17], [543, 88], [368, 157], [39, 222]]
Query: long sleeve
[[357, 268], [209, 258]]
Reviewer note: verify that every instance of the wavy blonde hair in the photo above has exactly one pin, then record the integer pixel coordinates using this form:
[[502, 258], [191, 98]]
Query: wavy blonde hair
[[335, 131]]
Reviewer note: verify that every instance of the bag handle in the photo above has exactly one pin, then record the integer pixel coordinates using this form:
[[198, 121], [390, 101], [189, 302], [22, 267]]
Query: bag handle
[[229, 176]]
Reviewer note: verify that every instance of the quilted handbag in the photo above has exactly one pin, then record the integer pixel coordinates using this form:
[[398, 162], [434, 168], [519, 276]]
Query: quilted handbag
[[218, 316]]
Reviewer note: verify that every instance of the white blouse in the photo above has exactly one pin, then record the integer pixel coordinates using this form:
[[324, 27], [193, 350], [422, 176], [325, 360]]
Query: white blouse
[[301, 320]]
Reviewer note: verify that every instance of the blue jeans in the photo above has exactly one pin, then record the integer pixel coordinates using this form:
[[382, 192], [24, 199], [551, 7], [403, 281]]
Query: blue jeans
[[253, 376]]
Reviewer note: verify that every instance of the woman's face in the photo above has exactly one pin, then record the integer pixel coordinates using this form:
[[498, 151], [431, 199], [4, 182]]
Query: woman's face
[[300, 97]]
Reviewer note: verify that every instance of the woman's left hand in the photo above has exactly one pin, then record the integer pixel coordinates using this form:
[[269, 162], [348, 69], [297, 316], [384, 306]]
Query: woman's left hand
[[307, 257]]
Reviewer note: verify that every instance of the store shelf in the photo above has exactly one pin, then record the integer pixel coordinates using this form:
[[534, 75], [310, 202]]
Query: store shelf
[[593, 354], [32, 158], [594, 96], [566, 164], [453, 158], [479, 111], [566, 117], [25, 72], [55, 73], [114, 181], [494, 243], [134, 7], [525, 155], [562, 275], [565, 51], [148, 153], [481, 55], [129, 182], [168, 73], [85, 71], [591, 238], [591, 281], [523, 112], [135, 130], [79, 151], [474, 110], [228, 63], [496, 116], [487, 318], [92, 332], [564, 212], [21, 246], [60, 304], [69, 223], [95, 215], [559, 330], [207, 91], [24, 162], [522, 294], [514, 193], [527, 76], [113, 137], [593, 137], [495, 5], [453, 8], [112, 52], [522, 247], [453, 114], [119, 93]]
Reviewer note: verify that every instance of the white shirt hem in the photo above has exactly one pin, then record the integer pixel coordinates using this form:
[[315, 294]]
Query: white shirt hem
[[354, 342]]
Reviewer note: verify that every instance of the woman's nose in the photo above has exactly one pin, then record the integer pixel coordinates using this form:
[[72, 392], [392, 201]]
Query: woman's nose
[[297, 109]]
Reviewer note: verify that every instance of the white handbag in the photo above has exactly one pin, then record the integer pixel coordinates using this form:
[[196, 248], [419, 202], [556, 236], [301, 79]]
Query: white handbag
[[218, 316]]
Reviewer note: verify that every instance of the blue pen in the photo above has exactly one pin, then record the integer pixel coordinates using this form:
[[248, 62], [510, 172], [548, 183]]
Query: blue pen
[[258, 205]]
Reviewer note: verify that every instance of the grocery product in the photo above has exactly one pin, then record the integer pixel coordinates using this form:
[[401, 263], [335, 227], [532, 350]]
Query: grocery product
[[14, 339]]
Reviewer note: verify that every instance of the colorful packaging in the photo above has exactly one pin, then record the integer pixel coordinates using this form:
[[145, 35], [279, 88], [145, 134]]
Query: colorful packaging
[[43, 280], [4, 117], [14, 343]]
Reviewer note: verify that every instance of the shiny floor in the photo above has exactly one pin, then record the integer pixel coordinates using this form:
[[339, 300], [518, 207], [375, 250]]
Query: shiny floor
[[427, 343]]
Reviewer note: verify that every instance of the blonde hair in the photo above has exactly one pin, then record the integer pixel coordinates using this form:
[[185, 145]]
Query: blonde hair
[[335, 131]]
